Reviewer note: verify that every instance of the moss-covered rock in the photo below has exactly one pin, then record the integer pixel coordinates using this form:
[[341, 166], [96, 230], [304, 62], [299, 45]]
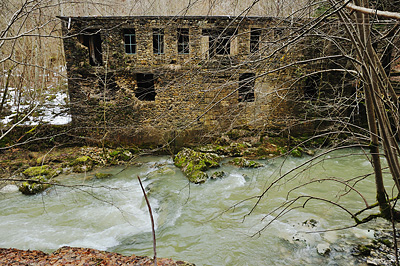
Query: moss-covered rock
[[34, 185], [242, 162], [121, 155], [82, 164], [102, 175], [197, 177], [237, 149], [297, 152], [193, 164], [217, 174], [82, 159], [364, 250], [44, 170]]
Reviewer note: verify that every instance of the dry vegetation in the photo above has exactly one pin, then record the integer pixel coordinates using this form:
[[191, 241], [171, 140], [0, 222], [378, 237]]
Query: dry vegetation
[[31, 57]]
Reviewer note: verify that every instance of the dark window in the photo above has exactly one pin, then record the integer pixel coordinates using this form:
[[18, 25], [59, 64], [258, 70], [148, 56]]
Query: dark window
[[246, 87], [130, 41], [219, 41], [255, 40], [311, 84], [158, 41], [278, 33], [183, 41], [145, 87], [92, 40]]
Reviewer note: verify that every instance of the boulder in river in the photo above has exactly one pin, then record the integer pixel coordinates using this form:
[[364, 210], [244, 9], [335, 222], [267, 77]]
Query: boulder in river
[[193, 164], [34, 185], [242, 162], [39, 176], [218, 174]]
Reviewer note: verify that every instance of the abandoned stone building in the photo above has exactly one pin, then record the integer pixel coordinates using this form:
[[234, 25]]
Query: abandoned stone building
[[153, 79]]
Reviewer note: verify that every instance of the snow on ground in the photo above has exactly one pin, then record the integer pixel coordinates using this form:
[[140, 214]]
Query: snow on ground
[[50, 110]]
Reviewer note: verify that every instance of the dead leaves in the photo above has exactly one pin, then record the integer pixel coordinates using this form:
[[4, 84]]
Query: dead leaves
[[77, 256]]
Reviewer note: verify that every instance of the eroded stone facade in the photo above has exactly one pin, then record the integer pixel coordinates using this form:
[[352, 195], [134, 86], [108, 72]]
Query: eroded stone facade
[[158, 79]]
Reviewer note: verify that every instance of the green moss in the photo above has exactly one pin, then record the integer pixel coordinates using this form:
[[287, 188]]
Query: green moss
[[297, 152], [39, 160], [386, 242], [82, 164], [102, 175], [192, 163], [198, 177], [282, 150], [218, 174], [82, 160], [242, 162], [114, 153], [44, 170], [180, 161], [34, 185], [236, 149], [364, 250]]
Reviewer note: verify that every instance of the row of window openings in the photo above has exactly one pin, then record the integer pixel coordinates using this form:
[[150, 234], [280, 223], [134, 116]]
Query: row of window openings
[[158, 41], [219, 42], [145, 87], [145, 82]]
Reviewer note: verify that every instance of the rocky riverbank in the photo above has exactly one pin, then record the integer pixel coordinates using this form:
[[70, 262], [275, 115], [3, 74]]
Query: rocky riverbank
[[78, 256], [380, 250], [29, 168]]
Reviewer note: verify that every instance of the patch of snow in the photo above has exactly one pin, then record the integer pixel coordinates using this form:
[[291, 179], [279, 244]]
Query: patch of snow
[[53, 110]]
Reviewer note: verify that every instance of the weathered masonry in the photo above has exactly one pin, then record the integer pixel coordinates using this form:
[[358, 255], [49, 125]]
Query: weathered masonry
[[151, 79]]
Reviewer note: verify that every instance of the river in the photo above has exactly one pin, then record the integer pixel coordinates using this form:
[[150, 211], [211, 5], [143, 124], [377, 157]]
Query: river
[[198, 223]]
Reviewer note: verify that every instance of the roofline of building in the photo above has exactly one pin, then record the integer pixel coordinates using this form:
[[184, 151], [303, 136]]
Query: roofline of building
[[165, 17]]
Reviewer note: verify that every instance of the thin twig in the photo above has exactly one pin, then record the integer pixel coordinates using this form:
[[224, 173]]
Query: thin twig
[[152, 221]]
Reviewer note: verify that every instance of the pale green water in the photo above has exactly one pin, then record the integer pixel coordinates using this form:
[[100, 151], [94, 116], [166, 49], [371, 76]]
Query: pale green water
[[193, 223]]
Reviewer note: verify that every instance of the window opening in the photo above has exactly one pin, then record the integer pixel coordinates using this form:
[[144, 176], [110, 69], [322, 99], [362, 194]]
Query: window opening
[[158, 41], [92, 40], [311, 84], [183, 41], [246, 87], [130, 41], [145, 87], [278, 32], [255, 40], [219, 41]]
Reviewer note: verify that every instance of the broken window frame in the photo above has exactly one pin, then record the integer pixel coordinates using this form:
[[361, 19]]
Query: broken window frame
[[255, 36], [183, 41], [130, 41], [91, 39], [246, 87], [145, 90], [158, 41], [219, 41]]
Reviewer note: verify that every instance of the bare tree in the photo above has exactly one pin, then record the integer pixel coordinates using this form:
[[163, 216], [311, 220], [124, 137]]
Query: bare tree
[[31, 60]]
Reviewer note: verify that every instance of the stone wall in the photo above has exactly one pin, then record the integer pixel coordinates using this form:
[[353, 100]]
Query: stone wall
[[192, 97]]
